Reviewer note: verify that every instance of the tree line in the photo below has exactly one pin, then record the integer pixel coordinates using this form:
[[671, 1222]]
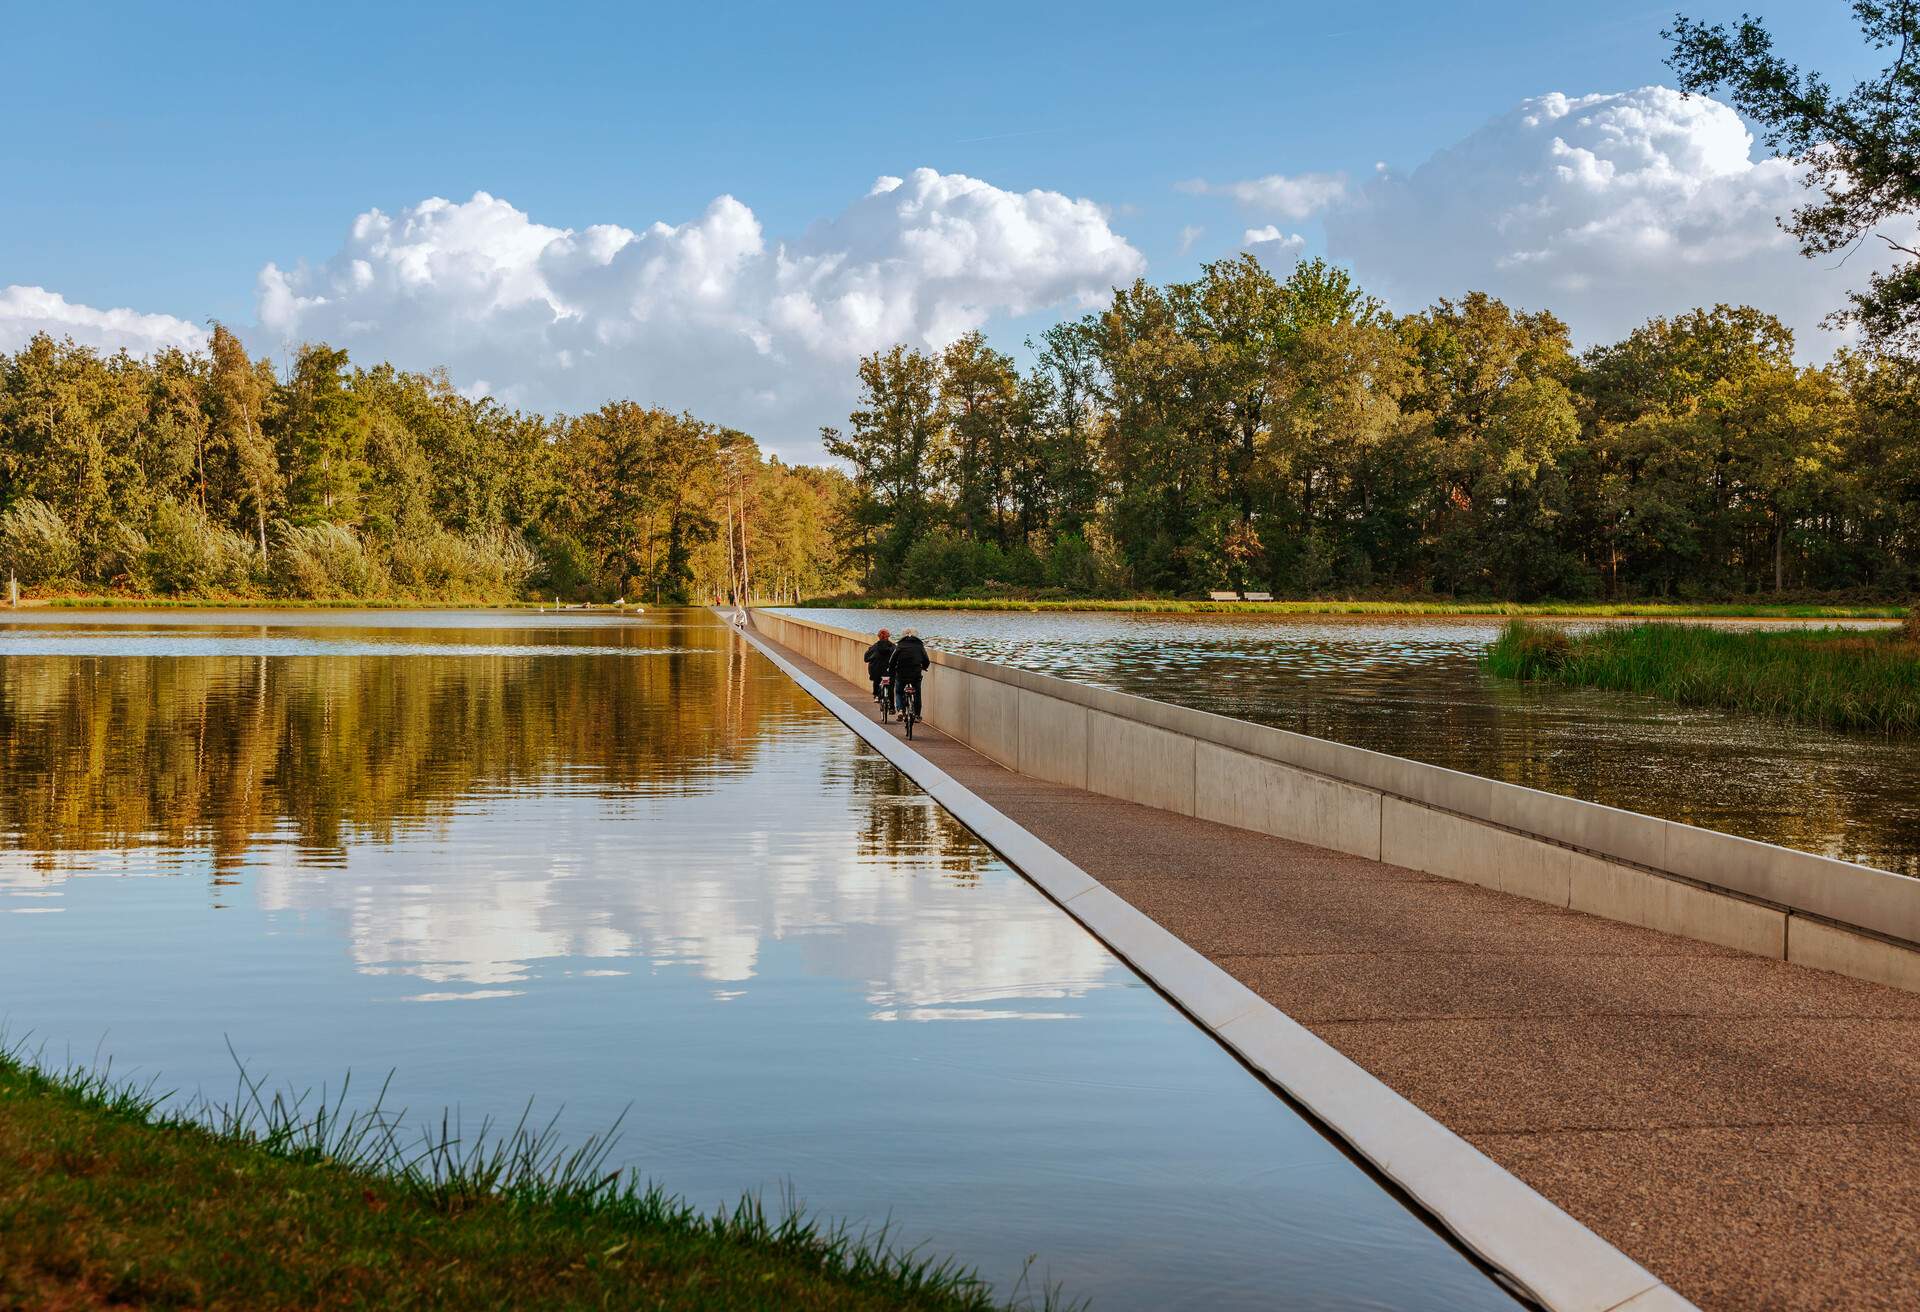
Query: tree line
[[214, 473], [1291, 435], [1239, 430]]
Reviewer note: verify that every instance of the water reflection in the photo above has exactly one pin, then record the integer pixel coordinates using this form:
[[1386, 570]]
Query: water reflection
[[141, 751], [1413, 687], [629, 867], [115, 739]]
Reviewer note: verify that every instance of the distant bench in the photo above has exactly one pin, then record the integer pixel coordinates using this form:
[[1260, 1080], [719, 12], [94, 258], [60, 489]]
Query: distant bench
[[1234, 596]]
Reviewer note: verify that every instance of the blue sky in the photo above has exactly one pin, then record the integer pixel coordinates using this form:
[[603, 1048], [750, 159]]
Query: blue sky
[[160, 157]]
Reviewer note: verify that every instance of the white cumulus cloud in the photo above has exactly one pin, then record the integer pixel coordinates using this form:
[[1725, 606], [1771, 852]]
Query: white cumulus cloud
[[1276, 249], [1291, 196], [710, 314], [1606, 209], [25, 311]]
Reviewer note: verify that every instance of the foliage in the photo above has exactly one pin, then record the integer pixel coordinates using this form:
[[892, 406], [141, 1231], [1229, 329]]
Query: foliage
[[1288, 435], [185, 552], [1241, 430], [110, 1193], [1861, 149], [324, 561], [167, 476], [452, 567], [35, 543], [1835, 678], [1166, 606]]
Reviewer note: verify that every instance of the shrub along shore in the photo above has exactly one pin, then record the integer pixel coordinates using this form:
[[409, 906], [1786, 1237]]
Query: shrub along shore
[[1568, 609], [107, 1197], [1796, 610], [1833, 678]]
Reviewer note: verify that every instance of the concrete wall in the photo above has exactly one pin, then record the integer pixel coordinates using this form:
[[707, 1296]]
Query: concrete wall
[[1832, 915]]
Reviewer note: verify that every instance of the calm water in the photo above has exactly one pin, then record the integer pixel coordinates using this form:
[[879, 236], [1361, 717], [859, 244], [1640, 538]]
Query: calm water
[[621, 864], [1413, 687]]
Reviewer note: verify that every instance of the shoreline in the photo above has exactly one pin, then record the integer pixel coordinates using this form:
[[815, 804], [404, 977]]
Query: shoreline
[[1788, 611], [1496, 609], [109, 1196]]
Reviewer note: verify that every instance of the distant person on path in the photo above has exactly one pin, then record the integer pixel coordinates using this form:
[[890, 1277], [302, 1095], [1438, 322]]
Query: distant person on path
[[910, 661], [879, 659]]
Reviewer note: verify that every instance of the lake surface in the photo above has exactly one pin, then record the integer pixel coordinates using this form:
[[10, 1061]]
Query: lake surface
[[627, 865], [1413, 687]]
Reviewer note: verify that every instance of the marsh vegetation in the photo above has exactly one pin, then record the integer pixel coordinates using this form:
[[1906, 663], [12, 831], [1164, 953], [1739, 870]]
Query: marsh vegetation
[[1833, 678]]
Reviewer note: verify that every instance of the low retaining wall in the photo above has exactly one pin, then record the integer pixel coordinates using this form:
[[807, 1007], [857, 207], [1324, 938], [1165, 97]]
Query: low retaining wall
[[1819, 912]]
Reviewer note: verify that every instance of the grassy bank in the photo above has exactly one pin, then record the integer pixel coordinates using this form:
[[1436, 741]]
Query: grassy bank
[[1570, 609], [1832, 678], [107, 1198]]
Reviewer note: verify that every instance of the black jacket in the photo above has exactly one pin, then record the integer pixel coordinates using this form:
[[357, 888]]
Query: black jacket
[[879, 658], [909, 659]]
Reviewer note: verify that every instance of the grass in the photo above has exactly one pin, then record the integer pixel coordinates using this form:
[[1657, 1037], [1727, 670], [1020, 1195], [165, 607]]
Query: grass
[[107, 1197], [1831, 678], [1568, 609]]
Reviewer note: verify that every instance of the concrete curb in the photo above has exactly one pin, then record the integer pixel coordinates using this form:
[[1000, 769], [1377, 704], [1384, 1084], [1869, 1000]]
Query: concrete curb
[[1539, 1249]]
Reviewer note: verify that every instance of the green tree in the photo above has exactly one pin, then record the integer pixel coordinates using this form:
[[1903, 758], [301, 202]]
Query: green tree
[[1861, 149], [1493, 383], [1659, 474], [897, 442], [321, 434], [1063, 402], [240, 476], [979, 394]]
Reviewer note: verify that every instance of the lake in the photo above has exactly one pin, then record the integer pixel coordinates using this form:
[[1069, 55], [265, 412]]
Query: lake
[[1413, 687], [624, 865]]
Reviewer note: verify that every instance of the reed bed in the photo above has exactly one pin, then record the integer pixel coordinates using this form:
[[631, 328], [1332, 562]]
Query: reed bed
[[1831, 678]]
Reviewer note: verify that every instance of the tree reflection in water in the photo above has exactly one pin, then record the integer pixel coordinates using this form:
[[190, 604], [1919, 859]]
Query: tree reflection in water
[[223, 751], [473, 803]]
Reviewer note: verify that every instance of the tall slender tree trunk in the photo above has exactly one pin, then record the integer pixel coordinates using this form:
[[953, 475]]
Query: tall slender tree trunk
[[746, 563], [733, 581]]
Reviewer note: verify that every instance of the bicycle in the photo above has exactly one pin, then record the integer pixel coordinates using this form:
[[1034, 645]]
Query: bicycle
[[910, 707], [885, 698]]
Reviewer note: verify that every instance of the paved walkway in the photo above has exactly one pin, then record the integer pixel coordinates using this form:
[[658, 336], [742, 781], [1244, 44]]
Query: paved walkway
[[1746, 1129]]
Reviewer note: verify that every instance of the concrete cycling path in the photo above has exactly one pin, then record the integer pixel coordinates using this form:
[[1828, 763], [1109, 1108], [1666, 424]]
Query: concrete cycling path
[[1747, 1129]]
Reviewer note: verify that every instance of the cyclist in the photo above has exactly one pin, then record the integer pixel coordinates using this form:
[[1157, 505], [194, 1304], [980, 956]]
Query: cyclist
[[909, 663], [879, 659]]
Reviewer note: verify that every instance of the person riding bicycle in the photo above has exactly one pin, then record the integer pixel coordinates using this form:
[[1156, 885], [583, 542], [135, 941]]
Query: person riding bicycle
[[879, 659], [910, 661]]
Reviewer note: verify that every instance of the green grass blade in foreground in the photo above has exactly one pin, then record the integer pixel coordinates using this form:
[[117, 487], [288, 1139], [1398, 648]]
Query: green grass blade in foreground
[[112, 1191]]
